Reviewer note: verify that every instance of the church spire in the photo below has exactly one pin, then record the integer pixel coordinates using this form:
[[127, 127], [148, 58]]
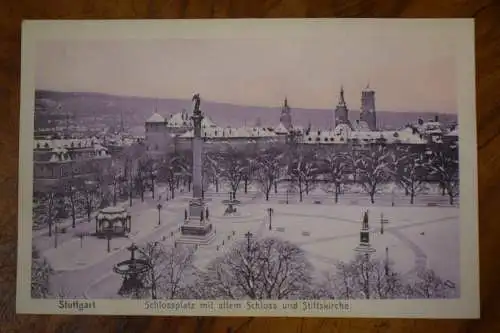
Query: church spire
[[341, 97], [286, 116]]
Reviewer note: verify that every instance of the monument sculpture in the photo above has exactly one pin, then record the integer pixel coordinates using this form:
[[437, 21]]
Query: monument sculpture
[[365, 248], [196, 228]]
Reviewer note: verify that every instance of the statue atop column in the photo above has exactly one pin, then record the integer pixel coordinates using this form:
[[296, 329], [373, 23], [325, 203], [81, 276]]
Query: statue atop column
[[196, 99], [197, 116]]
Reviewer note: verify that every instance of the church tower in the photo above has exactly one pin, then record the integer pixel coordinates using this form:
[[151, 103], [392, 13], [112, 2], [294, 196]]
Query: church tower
[[341, 111], [368, 113], [286, 115]]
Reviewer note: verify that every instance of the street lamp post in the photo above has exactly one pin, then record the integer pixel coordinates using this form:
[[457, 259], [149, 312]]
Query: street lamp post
[[153, 178], [287, 197], [386, 266], [108, 238], [73, 191], [159, 206], [248, 235], [56, 232], [270, 212], [382, 222], [115, 184]]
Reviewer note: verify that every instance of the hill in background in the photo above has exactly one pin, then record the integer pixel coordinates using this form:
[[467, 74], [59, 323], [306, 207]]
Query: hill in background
[[92, 108]]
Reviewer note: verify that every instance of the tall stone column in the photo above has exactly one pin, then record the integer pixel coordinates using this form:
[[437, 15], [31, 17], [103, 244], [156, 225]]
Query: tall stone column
[[196, 228], [197, 153]]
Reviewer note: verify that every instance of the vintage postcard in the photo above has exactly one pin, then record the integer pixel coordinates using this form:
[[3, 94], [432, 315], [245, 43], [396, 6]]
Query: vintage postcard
[[309, 168]]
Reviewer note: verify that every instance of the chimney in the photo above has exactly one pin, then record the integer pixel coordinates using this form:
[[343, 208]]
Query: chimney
[[436, 118]]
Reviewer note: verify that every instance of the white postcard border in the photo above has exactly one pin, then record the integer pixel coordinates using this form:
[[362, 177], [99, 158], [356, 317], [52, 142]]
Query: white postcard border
[[461, 30]]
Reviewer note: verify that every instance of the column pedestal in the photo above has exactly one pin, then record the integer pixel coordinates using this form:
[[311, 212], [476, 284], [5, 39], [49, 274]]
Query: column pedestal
[[196, 230]]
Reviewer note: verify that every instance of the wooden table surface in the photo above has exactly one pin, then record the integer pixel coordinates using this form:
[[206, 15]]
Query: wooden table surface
[[487, 14]]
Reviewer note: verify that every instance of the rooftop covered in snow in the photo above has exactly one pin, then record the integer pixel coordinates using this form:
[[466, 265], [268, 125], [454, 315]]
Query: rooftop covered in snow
[[155, 118]]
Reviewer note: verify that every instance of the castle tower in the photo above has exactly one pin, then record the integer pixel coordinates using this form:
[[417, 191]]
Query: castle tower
[[286, 115], [155, 135], [341, 111], [368, 113]]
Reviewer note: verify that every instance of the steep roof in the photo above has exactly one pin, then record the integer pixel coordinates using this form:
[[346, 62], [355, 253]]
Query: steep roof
[[183, 119], [155, 118], [280, 129], [232, 132]]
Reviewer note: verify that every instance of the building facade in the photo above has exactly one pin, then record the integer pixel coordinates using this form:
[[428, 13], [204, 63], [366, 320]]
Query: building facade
[[57, 161]]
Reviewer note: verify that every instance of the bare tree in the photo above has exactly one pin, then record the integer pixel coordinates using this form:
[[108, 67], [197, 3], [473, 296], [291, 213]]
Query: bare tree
[[113, 178], [373, 168], [141, 177], [334, 167], [90, 197], [427, 284], [364, 277], [410, 173], [303, 171], [168, 267], [132, 178], [258, 269], [40, 275], [211, 168], [72, 191], [50, 205], [149, 169], [249, 164], [268, 168], [233, 167], [444, 164], [172, 167]]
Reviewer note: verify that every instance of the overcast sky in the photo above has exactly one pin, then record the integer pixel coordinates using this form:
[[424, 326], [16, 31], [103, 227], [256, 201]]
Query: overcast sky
[[414, 70]]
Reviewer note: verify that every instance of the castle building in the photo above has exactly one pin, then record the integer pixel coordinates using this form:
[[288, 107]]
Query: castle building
[[368, 114], [175, 132]]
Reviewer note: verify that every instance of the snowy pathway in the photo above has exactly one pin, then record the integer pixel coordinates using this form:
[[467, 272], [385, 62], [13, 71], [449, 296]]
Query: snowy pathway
[[420, 256], [75, 283]]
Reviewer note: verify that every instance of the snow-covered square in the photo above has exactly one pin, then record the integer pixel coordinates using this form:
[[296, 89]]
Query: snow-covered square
[[286, 191]]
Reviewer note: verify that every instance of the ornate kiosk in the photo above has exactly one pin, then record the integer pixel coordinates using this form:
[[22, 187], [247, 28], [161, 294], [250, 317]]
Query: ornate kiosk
[[114, 221]]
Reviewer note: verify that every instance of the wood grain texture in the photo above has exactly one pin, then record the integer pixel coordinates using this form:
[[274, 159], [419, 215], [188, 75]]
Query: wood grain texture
[[487, 14]]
